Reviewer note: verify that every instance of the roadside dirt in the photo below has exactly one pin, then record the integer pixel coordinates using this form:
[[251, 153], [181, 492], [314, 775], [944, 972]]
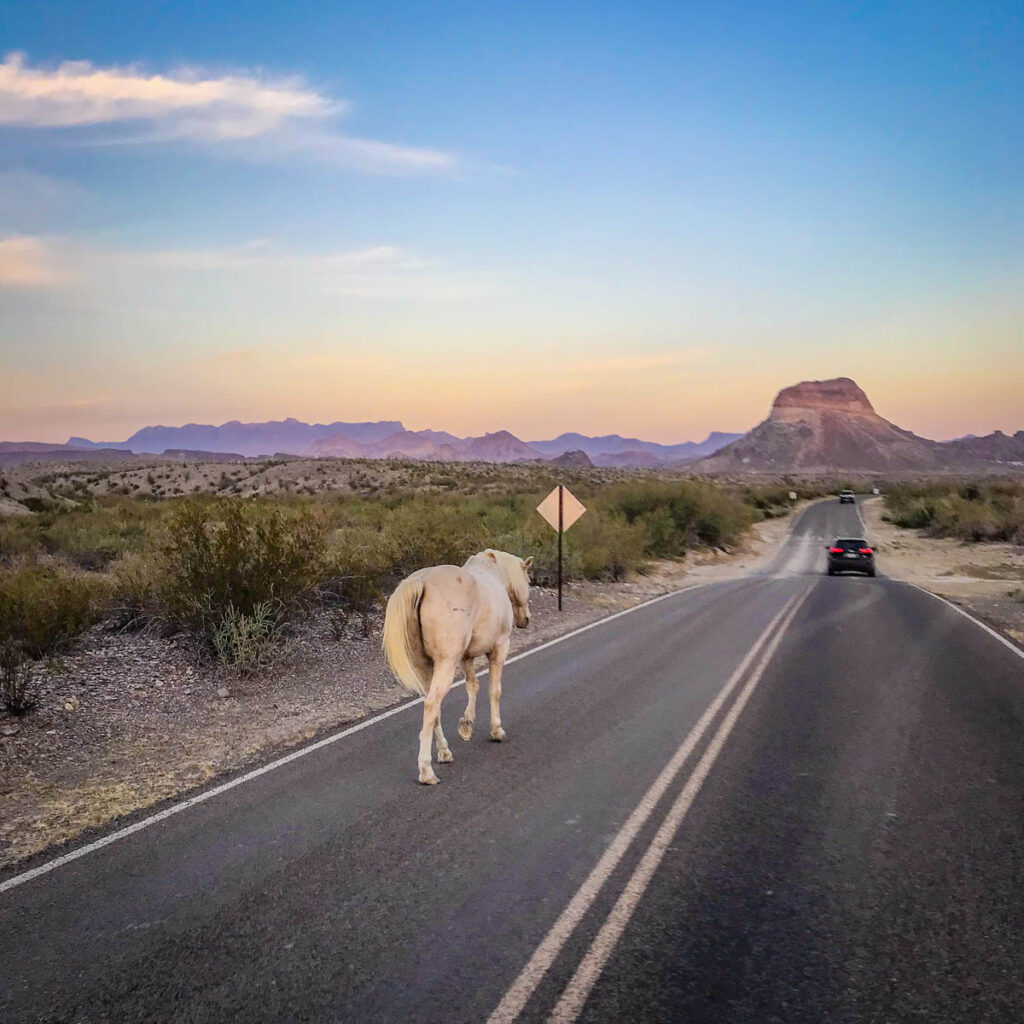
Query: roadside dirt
[[985, 579], [125, 721]]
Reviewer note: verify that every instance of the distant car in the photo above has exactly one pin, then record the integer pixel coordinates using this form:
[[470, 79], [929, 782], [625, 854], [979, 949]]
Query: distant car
[[847, 497], [850, 554]]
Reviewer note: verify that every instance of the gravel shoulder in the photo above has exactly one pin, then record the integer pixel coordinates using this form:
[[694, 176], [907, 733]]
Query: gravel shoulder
[[125, 721], [981, 578]]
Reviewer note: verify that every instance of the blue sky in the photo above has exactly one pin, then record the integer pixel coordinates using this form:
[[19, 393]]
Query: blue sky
[[540, 217]]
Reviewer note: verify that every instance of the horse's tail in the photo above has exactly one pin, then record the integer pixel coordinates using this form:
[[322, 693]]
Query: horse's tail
[[402, 641]]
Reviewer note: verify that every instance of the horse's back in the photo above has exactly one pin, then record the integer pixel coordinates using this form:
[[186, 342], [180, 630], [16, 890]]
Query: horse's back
[[463, 613]]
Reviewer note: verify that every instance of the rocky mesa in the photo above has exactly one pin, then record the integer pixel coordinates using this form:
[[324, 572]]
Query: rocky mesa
[[827, 425]]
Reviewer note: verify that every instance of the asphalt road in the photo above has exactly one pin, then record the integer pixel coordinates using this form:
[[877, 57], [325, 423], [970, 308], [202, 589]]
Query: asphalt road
[[782, 798]]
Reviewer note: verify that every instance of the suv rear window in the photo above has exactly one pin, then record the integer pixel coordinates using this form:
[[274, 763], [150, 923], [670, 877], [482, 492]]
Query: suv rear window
[[847, 543]]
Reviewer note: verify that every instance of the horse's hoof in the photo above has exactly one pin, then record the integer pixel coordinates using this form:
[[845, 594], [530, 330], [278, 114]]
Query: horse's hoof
[[465, 729], [429, 779], [498, 735], [444, 757]]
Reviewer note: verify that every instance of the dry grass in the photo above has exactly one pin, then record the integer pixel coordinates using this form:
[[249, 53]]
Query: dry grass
[[62, 813]]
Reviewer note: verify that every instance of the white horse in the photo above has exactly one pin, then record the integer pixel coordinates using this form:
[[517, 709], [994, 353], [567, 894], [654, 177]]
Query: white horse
[[444, 616]]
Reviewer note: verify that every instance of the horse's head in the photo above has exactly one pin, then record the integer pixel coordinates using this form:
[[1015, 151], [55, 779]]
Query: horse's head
[[517, 575]]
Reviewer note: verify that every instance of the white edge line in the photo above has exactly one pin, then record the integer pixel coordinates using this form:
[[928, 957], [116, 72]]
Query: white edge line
[[967, 615], [209, 794]]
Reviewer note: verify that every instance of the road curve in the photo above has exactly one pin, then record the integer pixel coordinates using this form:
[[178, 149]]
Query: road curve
[[841, 840]]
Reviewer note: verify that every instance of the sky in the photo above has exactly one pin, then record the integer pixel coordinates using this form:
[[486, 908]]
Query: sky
[[640, 218]]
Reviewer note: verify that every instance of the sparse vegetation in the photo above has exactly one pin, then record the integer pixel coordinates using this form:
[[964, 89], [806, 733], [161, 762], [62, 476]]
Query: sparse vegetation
[[232, 571], [42, 607], [15, 692], [243, 641], [989, 510]]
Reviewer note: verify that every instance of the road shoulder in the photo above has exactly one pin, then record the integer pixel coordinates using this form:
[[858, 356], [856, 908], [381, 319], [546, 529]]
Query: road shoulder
[[985, 579]]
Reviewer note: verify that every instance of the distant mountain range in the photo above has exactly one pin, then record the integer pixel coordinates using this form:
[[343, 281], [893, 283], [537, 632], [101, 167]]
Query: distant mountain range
[[383, 439], [814, 426], [290, 436], [829, 425], [614, 450]]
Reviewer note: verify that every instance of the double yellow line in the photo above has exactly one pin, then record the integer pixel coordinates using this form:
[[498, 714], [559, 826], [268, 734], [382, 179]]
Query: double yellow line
[[574, 995]]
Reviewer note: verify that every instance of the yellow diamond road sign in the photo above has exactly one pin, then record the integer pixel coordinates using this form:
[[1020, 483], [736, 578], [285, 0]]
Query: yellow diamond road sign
[[571, 508]]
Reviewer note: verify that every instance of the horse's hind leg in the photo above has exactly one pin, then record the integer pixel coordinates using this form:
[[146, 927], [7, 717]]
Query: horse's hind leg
[[496, 660], [440, 684], [472, 685]]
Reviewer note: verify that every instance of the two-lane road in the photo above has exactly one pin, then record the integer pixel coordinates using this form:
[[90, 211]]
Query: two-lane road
[[786, 797]]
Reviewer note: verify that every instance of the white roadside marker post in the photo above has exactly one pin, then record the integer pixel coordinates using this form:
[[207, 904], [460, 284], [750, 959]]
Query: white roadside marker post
[[560, 509]]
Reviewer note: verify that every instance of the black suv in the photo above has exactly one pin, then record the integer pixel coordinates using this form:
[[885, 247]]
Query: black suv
[[850, 555]]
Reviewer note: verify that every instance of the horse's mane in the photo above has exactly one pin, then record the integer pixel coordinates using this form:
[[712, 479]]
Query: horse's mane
[[510, 565]]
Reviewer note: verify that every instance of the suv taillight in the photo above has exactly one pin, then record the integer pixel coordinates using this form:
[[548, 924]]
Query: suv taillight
[[835, 551], [865, 551]]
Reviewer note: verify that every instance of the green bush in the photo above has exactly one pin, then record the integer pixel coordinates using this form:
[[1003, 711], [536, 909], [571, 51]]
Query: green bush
[[18, 536], [915, 515], [243, 641], [15, 692], [42, 607], [678, 516], [976, 511], [135, 591], [95, 537], [228, 559]]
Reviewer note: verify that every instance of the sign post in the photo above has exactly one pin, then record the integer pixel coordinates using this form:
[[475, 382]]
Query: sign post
[[560, 509]]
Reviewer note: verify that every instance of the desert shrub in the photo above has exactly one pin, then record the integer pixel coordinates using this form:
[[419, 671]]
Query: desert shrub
[[225, 560], [532, 536], [91, 535], [358, 566], [423, 532], [18, 536], [677, 516], [43, 607], [966, 519], [135, 591], [977, 511], [94, 538], [243, 641], [603, 545], [769, 499], [914, 515], [15, 681]]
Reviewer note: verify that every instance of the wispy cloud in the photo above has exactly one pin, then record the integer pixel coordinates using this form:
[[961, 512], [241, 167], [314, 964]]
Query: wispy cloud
[[272, 114], [383, 271], [262, 255], [27, 262]]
